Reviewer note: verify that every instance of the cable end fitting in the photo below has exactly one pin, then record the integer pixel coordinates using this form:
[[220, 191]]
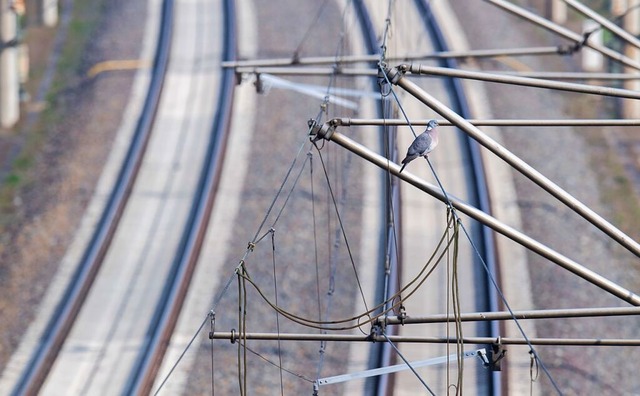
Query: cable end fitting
[[394, 74], [317, 132]]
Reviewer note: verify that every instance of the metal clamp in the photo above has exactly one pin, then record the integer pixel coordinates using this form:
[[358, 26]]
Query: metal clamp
[[317, 132]]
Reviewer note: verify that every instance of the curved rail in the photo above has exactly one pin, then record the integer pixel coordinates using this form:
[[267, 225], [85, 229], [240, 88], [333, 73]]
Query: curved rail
[[67, 310], [480, 192], [167, 310]]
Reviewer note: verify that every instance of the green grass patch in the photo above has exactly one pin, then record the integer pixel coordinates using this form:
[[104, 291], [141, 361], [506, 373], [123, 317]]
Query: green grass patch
[[68, 74]]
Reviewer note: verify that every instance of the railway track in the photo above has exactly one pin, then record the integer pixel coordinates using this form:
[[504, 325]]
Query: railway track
[[478, 196], [168, 308], [56, 365], [67, 310], [146, 350], [382, 355]]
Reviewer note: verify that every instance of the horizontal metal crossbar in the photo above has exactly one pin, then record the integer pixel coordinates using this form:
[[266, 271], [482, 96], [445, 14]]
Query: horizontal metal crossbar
[[347, 122], [234, 336]]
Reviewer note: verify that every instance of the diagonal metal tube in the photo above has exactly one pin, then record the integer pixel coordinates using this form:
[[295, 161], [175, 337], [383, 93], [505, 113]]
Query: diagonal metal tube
[[630, 38], [329, 133], [345, 121], [522, 81], [564, 32], [527, 170]]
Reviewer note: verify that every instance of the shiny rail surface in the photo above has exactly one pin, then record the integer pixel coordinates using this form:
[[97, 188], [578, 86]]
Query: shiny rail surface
[[168, 308]]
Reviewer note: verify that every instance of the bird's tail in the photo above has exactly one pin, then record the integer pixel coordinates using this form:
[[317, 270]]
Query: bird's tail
[[401, 169]]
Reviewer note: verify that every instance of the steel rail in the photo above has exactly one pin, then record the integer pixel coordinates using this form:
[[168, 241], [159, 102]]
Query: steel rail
[[612, 27], [487, 262], [348, 122], [577, 206], [67, 310], [381, 354], [516, 80], [562, 31], [168, 308], [520, 315], [234, 337], [329, 133]]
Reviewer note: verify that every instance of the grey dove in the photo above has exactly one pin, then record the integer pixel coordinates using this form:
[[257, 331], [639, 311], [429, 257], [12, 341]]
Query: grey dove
[[423, 144]]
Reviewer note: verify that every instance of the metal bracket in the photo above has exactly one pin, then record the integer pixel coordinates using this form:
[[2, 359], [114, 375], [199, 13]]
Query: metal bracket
[[394, 75], [317, 132], [493, 359], [391, 369], [402, 315], [377, 330], [212, 319]]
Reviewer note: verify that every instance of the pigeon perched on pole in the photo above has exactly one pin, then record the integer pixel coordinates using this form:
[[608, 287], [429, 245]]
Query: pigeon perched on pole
[[423, 144]]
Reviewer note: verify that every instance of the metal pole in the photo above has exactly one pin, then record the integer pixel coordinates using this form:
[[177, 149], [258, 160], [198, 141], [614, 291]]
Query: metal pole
[[336, 379], [558, 11], [345, 59], [47, 12], [631, 23], [9, 78], [477, 122], [583, 210], [520, 315], [573, 75], [523, 81], [531, 79], [630, 38], [329, 133], [566, 33], [234, 336], [308, 71]]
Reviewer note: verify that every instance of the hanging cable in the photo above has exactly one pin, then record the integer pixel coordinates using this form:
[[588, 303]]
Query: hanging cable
[[385, 35], [212, 316], [333, 266], [296, 52], [409, 289], [298, 375], [456, 309], [533, 367], [240, 366], [458, 220], [242, 329], [275, 198], [506, 304], [293, 187], [275, 287], [342, 229], [189, 344], [408, 365]]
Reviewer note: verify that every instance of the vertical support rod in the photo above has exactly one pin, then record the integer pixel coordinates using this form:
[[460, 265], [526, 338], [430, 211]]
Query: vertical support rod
[[631, 23], [9, 81], [48, 12]]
